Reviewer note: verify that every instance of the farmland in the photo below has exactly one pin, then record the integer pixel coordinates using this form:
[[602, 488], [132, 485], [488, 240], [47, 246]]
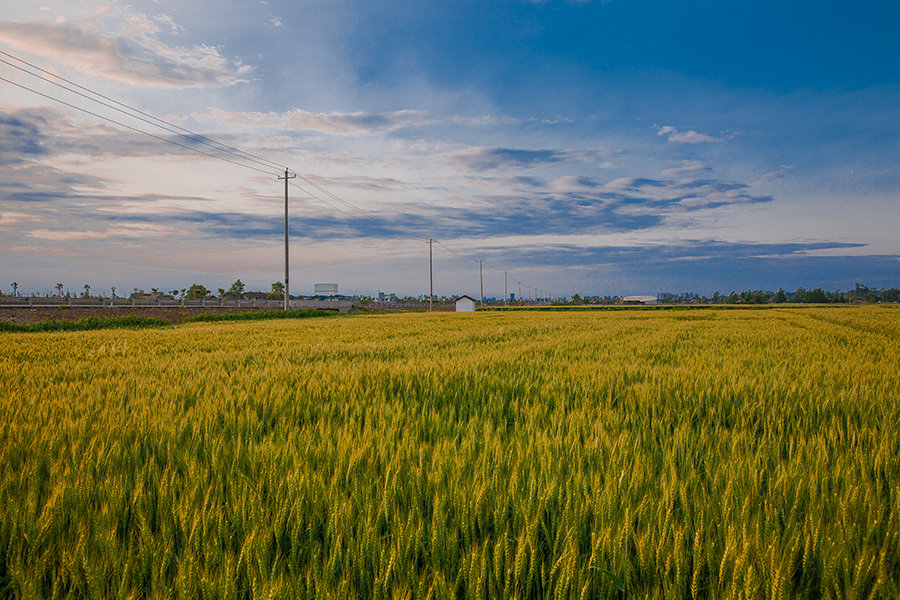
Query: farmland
[[662, 454]]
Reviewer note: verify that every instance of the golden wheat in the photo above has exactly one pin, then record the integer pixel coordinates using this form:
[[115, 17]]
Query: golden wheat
[[714, 453]]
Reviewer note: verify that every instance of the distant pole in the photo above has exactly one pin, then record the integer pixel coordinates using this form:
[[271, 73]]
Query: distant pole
[[287, 269], [430, 276], [481, 280], [505, 291]]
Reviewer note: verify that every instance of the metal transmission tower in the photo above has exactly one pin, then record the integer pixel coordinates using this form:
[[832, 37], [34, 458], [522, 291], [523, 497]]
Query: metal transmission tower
[[287, 286]]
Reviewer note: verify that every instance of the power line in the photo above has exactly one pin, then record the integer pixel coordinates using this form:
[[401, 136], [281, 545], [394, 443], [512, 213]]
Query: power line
[[120, 124], [236, 153], [141, 115], [361, 211]]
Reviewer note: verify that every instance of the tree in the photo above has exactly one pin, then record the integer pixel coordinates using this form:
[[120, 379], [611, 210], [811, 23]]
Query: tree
[[277, 292], [221, 292], [87, 291], [816, 296], [576, 299], [113, 289], [15, 287], [197, 292], [59, 288], [237, 289], [137, 293], [780, 296]]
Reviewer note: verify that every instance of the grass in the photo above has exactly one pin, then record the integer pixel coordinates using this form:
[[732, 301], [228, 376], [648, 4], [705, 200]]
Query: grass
[[85, 324], [717, 454], [261, 315]]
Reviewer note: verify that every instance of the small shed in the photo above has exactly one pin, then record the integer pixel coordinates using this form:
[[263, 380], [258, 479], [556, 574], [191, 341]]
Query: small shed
[[465, 304]]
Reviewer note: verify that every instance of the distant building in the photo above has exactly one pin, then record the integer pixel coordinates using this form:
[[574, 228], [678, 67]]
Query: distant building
[[158, 296], [255, 295], [326, 289], [465, 304], [640, 300]]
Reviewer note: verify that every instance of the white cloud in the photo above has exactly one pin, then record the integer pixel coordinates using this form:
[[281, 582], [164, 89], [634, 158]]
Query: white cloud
[[275, 22], [14, 218], [689, 137], [339, 123], [125, 51], [687, 167]]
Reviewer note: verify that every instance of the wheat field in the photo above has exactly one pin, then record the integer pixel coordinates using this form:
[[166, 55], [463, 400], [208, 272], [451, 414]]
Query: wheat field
[[645, 454]]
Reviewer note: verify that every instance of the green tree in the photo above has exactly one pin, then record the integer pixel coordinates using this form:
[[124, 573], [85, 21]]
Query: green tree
[[780, 297], [59, 288], [816, 296], [197, 292], [576, 299], [87, 291], [277, 292], [237, 289]]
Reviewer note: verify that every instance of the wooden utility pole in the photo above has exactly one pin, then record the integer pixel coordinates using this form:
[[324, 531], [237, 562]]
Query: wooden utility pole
[[505, 292], [430, 277], [287, 285]]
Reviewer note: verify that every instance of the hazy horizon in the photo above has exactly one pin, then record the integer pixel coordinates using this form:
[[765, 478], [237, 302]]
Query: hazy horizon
[[600, 148]]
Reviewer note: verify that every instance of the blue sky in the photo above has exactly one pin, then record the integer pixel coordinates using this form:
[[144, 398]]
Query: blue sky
[[614, 147]]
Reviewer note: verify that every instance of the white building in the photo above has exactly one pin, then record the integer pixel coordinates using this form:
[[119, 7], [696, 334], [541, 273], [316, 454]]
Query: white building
[[639, 300], [465, 304]]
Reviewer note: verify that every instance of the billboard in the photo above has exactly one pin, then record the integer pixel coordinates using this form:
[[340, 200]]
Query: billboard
[[326, 289]]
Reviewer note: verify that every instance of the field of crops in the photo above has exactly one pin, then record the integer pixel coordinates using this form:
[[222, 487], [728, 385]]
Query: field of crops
[[662, 454]]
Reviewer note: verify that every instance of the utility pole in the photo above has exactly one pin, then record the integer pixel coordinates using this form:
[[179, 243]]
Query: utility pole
[[287, 286], [430, 276], [505, 293], [481, 280]]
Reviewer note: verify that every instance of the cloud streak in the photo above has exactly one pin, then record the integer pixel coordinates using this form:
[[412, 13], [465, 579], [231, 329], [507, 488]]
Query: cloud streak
[[689, 137], [132, 54]]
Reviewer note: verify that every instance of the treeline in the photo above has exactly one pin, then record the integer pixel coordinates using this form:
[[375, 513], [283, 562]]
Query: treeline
[[860, 293]]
